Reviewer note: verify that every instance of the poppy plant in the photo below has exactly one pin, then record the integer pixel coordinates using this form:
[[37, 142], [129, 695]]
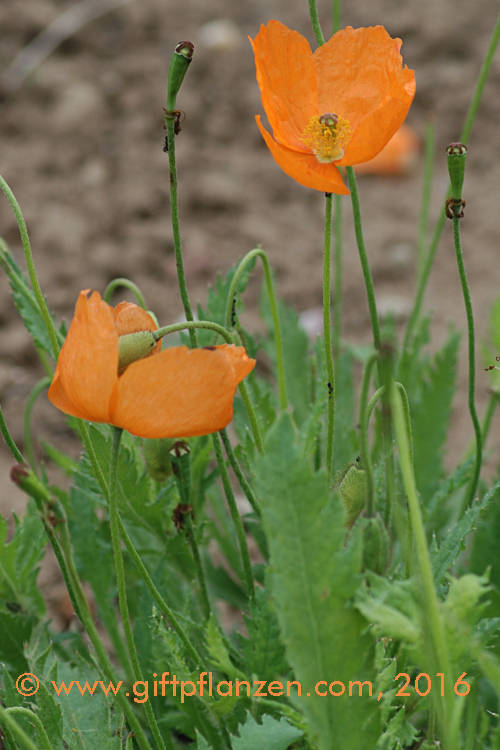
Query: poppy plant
[[174, 392], [338, 106]]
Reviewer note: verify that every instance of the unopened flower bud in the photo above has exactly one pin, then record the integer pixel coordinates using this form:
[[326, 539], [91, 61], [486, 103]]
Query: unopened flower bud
[[179, 63], [134, 346], [352, 490], [457, 155]]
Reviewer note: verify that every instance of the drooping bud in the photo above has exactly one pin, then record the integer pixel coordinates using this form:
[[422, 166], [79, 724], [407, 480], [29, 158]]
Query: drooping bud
[[157, 457], [457, 156], [376, 545], [179, 63], [352, 490], [134, 346]]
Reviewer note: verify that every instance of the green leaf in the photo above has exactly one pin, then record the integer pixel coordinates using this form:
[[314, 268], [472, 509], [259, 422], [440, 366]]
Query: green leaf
[[314, 578], [453, 542], [430, 412], [26, 303], [270, 734], [19, 563], [263, 652], [486, 539]]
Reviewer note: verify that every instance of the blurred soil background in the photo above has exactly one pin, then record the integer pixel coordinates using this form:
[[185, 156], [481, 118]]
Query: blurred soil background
[[81, 142]]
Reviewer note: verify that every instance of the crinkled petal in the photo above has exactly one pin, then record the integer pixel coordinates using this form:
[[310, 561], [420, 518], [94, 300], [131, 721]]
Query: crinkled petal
[[305, 168], [361, 78], [180, 392], [287, 80], [88, 362]]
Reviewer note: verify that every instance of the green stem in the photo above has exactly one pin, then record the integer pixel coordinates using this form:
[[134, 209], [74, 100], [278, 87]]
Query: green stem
[[31, 716], [363, 437], [337, 280], [313, 12], [327, 334], [367, 275], [472, 363], [28, 443], [235, 515], [12, 726], [423, 561], [249, 493], [200, 573], [174, 211], [114, 524], [23, 231], [336, 14], [464, 137], [9, 440], [230, 306], [126, 284], [490, 410], [162, 604], [423, 224]]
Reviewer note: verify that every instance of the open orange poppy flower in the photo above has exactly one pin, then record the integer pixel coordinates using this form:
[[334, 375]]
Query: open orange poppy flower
[[338, 106], [175, 392]]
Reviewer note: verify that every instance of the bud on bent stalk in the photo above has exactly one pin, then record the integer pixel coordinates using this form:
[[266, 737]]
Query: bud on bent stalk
[[179, 64], [352, 490], [134, 346]]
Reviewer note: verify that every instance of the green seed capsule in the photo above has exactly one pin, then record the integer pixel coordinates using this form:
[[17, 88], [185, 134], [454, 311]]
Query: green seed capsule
[[457, 156]]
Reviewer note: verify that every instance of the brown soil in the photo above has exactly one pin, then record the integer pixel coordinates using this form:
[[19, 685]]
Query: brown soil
[[81, 146]]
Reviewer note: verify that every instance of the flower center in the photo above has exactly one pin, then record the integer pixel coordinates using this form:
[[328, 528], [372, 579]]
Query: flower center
[[326, 136]]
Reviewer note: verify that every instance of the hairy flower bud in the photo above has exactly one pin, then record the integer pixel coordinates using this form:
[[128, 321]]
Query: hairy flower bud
[[352, 490]]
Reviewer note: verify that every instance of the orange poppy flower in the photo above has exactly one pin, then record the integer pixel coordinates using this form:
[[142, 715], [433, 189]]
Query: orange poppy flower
[[175, 392], [338, 106]]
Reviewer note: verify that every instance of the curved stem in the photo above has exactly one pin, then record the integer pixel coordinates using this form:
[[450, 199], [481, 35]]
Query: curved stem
[[126, 284], [364, 441], [28, 443], [9, 440], [23, 231], [235, 515], [424, 568], [229, 314], [174, 211], [114, 524], [472, 363], [327, 334], [31, 716]]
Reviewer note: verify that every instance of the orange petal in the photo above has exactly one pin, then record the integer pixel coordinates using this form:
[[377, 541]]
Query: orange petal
[[305, 168], [130, 318], [398, 157], [88, 362], [287, 81], [180, 392], [361, 78]]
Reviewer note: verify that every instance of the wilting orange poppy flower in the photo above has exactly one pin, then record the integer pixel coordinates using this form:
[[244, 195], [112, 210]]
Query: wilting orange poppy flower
[[338, 106], [175, 392]]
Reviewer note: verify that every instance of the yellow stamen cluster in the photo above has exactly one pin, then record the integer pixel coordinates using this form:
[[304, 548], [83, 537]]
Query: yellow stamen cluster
[[326, 136]]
